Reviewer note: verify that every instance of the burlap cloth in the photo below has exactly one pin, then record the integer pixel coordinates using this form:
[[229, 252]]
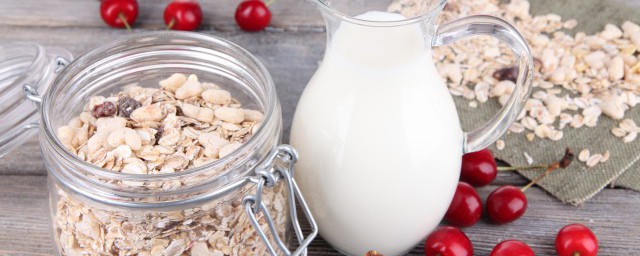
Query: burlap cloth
[[577, 183]]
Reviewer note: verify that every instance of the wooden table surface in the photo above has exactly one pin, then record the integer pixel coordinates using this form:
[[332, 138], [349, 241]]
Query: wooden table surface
[[291, 49]]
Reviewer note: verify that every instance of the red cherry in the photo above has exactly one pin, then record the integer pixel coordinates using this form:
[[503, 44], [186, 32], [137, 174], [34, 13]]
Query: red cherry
[[253, 15], [448, 241], [506, 204], [183, 15], [373, 253], [512, 248], [576, 240], [119, 13], [478, 168], [465, 208]]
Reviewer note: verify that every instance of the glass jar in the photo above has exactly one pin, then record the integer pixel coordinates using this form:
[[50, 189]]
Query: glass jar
[[241, 204]]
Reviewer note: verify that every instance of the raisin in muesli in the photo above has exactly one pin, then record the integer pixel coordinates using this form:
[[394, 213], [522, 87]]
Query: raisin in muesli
[[126, 105], [105, 109]]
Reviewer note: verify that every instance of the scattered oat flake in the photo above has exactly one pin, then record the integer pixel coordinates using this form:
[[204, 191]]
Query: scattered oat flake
[[578, 78], [628, 125], [531, 136], [528, 157], [584, 155], [500, 144], [605, 156], [630, 137], [618, 132], [594, 160]]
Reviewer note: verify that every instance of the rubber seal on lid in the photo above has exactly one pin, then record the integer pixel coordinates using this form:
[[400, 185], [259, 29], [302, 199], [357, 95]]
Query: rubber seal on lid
[[30, 66]]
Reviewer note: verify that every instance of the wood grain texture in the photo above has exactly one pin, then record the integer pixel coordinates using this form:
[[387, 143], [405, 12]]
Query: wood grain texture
[[25, 228], [287, 14], [291, 49], [217, 14], [24, 217]]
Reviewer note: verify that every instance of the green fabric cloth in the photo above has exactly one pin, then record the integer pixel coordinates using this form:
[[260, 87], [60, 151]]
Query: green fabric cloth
[[630, 179], [577, 183]]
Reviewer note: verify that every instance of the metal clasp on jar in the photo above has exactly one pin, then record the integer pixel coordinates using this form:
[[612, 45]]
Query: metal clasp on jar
[[31, 93], [279, 165]]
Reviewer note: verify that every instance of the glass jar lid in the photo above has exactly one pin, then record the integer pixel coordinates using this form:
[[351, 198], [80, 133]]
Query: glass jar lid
[[26, 71]]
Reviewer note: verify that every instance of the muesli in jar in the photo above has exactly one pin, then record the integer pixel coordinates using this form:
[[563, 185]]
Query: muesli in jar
[[182, 124]]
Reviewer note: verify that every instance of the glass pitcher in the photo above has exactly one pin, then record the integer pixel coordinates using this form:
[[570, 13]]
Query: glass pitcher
[[377, 130]]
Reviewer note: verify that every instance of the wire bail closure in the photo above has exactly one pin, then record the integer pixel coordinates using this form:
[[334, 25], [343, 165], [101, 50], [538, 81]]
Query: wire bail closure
[[279, 165], [31, 93]]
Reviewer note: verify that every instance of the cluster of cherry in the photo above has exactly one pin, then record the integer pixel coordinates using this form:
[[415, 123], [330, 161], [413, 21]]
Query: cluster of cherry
[[503, 205], [251, 15]]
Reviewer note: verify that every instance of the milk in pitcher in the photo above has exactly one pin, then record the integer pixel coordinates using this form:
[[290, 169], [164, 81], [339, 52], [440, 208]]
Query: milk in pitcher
[[374, 130]]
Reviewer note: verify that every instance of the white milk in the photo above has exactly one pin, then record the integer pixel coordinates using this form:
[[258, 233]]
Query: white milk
[[379, 139]]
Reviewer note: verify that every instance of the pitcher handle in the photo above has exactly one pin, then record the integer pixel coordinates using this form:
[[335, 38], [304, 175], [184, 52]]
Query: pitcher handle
[[491, 131]]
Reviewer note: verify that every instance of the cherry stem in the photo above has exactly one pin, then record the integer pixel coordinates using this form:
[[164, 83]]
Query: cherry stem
[[268, 3], [576, 254], [550, 168], [516, 168], [171, 24], [124, 21]]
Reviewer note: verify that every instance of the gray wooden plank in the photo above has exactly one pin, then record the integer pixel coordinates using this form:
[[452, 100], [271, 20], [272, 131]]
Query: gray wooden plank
[[24, 221], [287, 14], [291, 56], [23, 160], [217, 14]]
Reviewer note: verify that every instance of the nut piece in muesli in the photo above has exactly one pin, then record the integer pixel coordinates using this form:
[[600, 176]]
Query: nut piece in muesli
[[182, 124]]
